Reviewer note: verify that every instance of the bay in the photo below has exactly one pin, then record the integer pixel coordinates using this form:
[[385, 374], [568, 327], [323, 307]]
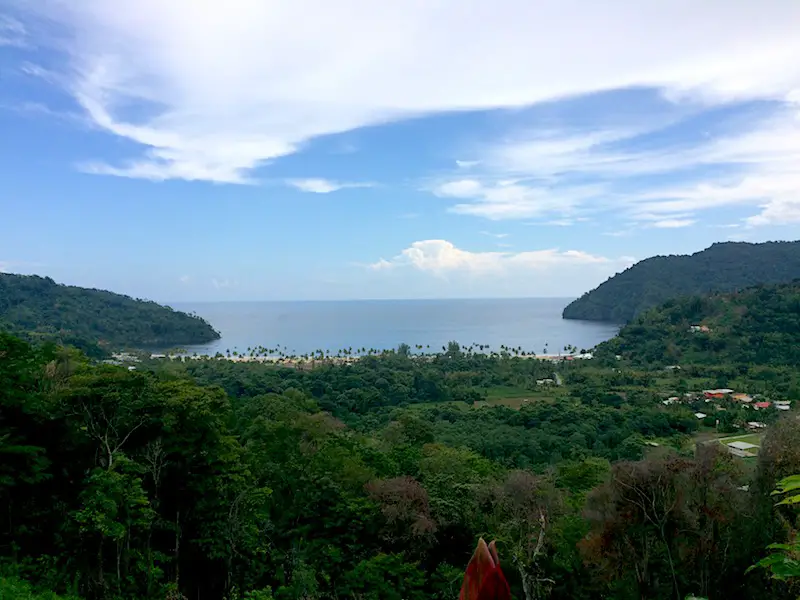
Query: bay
[[534, 324]]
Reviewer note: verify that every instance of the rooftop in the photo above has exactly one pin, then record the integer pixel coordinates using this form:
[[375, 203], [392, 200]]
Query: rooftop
[[742, 445]]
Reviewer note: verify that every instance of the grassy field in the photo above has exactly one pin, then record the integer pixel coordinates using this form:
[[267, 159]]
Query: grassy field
[[516, 397], [507, 392], [750, 438], [515, 403]]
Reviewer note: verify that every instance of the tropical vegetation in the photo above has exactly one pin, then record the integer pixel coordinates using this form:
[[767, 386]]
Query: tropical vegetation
[[723, 267], [219, 479], [374, 474], [94, 321], [755, 326]]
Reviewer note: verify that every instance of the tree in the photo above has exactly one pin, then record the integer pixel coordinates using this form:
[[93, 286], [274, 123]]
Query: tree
[[524, 508]]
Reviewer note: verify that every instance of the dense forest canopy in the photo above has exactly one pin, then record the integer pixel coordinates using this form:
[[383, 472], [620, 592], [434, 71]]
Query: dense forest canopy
[[722, 267], [93, 320], [217, 479], [758, 325]]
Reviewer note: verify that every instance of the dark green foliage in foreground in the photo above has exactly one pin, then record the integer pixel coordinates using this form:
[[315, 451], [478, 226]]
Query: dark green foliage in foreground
[[363, 481], [755, 326], [13, 588], [722, 267], [92, 320]]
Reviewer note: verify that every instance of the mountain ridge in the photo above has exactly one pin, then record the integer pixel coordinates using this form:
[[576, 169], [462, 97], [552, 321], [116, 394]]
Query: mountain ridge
[[722, 267]]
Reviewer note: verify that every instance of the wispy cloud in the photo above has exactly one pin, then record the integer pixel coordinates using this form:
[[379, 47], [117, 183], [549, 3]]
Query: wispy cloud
[[184, 279], [323, 186], [467, 164], [749, 162], [220, 284], [499, 236], [673, 223], [511, 198], [12, 32], [213, 94]]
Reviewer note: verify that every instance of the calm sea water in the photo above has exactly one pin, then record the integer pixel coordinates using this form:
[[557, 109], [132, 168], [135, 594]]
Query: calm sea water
[[303, 327]]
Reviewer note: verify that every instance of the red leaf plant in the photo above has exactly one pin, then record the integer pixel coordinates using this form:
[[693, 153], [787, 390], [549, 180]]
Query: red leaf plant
[[484, 579]]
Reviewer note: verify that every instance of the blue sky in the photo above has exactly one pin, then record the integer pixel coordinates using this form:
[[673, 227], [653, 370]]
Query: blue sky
[[255, 149]]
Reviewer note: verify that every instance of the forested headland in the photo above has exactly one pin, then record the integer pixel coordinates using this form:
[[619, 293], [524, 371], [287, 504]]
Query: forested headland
[[754, 326], [722, 267], [94, 321]]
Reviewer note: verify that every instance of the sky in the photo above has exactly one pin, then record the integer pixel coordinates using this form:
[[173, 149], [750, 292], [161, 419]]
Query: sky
[[203, 150]]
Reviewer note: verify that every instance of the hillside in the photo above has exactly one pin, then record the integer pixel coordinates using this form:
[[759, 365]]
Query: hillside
[[759, 325], [93, 320], [722, 267]]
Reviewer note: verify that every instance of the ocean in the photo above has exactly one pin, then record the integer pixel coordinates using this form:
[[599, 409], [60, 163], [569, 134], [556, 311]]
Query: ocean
[[298, 328]]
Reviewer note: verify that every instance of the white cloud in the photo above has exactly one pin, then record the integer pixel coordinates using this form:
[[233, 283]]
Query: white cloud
[[673, 223], [726, 225], [220, 284], [467, 164], [752, 162], [12, 32], [499, 236], [500, 199], [212, 94], [322, 186], [184, 279], [441, 257]]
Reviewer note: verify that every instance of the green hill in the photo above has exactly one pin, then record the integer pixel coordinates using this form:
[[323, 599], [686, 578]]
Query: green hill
[[722, 267], [758, 325], [94, 320]]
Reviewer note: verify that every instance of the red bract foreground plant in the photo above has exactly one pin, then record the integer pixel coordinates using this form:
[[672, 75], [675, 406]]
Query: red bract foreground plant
[[484, 579]]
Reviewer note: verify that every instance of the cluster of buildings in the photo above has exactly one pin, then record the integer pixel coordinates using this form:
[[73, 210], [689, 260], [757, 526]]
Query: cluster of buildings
[[725, 398], [755, 402]]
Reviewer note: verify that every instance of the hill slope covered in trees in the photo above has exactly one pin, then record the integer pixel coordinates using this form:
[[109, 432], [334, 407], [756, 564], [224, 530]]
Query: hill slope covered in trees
[[758, 325], [210, 479], [722, 267], [92, 320]]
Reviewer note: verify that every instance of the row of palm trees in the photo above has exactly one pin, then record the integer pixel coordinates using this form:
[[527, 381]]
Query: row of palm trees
[[280, 352]]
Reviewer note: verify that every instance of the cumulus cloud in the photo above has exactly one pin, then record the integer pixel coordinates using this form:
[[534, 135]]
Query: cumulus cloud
[[212, 94], [322, 186], [442, 257]]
